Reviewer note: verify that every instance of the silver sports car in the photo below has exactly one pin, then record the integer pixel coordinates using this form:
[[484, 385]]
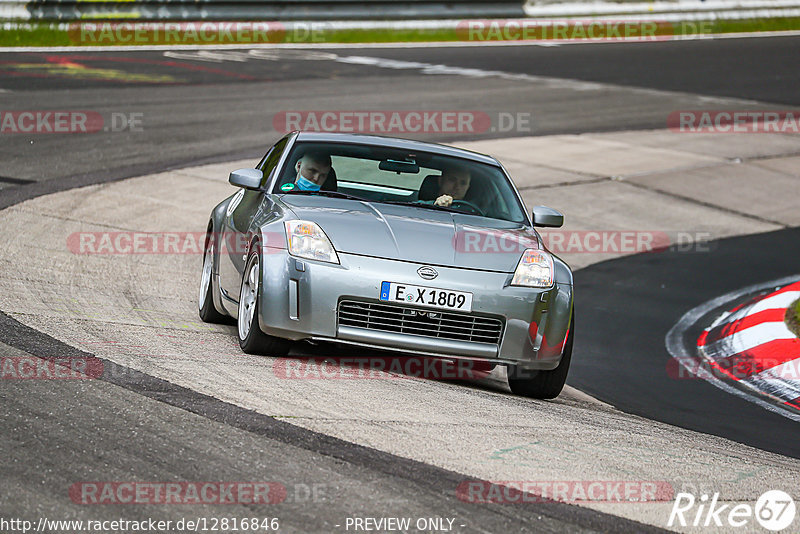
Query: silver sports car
[[391, 244]]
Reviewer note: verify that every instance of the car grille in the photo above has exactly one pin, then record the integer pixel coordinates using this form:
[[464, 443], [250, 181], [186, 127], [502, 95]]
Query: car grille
[[428, 323]]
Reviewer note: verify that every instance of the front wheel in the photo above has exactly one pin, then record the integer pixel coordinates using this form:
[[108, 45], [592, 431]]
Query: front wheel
[[205, 300], [544, 384], [251, 339]]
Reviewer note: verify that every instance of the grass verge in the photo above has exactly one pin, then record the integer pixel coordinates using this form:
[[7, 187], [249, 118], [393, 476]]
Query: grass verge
[[66, 34], [793, 317]]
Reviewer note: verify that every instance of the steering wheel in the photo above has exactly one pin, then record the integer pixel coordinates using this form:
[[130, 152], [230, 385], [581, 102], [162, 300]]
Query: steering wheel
[[458, 204]]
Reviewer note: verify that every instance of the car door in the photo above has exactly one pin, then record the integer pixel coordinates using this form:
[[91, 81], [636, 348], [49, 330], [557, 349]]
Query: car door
[[243, 207]]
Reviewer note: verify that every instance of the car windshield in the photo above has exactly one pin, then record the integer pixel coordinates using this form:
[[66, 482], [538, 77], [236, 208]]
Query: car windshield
[[397, 176]]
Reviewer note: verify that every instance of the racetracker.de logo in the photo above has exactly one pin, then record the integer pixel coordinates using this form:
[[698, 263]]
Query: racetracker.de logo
[[32, 368], [49, 121], [568, 491], [393, 121], [125, 243], [187, 33], [376, 368], [735, 367], [478, 241], [567, 30], [734, 121], [605, 241], [177, 493], [67, 122]]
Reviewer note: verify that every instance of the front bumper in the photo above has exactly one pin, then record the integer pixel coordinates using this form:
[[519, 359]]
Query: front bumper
[[300, 299]]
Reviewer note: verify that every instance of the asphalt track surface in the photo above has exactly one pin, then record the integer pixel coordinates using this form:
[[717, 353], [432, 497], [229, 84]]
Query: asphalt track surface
[[217, 112], [195, 111], [736, 68], [55, 429]]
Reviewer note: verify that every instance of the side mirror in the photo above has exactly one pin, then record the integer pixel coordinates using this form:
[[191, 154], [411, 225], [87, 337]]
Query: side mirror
[[247, 178], [544, 216]]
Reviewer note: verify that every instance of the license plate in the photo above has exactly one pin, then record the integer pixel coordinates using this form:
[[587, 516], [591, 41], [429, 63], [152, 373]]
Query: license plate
[[429, 297]]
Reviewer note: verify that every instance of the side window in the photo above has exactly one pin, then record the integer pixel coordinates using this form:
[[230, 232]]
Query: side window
[[271, 160]]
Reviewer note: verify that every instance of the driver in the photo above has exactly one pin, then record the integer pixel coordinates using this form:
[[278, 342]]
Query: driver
[[453, 185], [312, 170]]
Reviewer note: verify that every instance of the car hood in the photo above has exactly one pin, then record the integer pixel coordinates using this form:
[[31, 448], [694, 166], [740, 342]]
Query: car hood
[[416, 234]]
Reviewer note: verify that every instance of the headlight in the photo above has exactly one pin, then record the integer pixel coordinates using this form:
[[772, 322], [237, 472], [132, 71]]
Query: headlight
[[535, 269], [307, 240]]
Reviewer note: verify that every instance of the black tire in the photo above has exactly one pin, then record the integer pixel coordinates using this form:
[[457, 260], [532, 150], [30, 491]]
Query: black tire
[[255, 341], [205, 300], [543, 384]]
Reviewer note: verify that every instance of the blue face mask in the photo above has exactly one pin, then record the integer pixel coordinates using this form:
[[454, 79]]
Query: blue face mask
[[304, 184]]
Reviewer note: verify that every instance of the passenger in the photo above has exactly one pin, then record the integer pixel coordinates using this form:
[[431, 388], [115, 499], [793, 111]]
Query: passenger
[[312, 171]]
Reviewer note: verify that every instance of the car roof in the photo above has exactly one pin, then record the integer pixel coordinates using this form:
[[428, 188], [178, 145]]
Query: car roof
[[396, 142]]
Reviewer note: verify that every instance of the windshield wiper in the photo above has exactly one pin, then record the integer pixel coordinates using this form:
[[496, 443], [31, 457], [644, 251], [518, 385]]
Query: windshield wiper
[[335, 194], [419, 204]]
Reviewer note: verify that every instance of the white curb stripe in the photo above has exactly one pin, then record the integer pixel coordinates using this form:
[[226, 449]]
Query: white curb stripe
[[779, 388], [748, 339], [787, 374], [781, 300]]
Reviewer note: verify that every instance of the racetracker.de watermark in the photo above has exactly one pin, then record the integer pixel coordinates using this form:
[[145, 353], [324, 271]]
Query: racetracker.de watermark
[[734, 121], [475, 241], [736, 367], [382, 367], [625, 241], [577, 30], [119, 492], [66, 368], [567, 491], [68, 122], [131, 242], [186, 33], [402, 121]]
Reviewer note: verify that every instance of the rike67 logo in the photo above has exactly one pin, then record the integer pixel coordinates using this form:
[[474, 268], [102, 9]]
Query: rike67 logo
[[774, 510]]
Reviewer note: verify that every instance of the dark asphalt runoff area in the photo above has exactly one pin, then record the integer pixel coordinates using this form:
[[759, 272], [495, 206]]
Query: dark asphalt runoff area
[[195, 111], [628, 305]]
